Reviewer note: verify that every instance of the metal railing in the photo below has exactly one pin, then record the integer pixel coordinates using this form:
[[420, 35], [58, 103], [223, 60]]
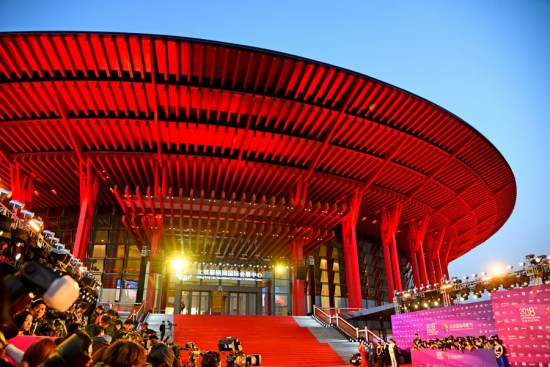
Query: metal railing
[[332, 316]]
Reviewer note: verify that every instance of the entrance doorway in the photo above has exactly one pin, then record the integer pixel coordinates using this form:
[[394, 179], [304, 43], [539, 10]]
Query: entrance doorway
[[242, 303], [212, 300], [197, 302]]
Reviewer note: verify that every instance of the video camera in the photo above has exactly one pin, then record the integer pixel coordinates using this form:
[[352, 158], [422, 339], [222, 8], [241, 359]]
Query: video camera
[[59, 292], [237, 357], [194, 353], [75, 351]]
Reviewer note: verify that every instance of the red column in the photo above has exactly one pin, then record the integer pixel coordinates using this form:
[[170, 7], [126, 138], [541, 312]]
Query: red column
[[88, 192], [414, 263], [298, 300], [417, 234], [22, 187], [429, 261], [390, 221], [151, 283], [351, 259], [435, 240]]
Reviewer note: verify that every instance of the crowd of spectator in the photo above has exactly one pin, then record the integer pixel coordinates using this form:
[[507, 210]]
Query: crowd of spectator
[[83, 338], [462, 344], [458, 343]]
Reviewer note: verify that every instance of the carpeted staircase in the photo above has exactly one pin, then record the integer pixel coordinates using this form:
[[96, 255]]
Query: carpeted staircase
[[279, 339]]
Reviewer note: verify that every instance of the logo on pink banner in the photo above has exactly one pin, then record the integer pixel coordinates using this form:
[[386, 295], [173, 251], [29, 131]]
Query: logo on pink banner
[[471, 319], [522, 319], [446, 358]]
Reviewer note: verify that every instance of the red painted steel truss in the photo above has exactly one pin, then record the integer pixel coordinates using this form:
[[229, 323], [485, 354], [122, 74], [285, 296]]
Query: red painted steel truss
[[220, 143]]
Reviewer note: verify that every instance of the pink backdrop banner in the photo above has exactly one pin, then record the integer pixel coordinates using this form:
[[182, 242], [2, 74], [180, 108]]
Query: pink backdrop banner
[[522, 319], [440, 358], [470, 319]]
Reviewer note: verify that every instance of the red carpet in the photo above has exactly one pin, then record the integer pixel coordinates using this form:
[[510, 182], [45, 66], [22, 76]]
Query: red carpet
[[279, 339]]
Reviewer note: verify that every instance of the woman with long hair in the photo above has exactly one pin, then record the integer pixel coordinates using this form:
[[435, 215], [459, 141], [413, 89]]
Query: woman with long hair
[[125, 353], [38, 352]]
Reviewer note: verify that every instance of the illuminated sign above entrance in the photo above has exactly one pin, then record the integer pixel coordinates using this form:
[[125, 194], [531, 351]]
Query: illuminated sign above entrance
[[212, 274], [229, 274]]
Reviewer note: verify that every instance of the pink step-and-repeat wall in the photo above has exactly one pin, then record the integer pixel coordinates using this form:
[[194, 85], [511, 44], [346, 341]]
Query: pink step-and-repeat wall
[[523, 322], [520, 318]]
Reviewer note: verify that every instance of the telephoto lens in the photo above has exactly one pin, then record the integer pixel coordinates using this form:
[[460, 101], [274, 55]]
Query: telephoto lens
[[75, 351]]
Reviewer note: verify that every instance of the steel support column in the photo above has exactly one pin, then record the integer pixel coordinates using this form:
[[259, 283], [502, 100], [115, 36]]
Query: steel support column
[[353, 279], [88, 193], [298, 300], [390, 221]]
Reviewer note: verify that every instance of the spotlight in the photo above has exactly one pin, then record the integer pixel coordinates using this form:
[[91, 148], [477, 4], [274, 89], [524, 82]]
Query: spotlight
[[36, 225], [48, 234], [5, 193], [26, 213], [522, 263], [474, 275], [60, 255], [17, 204]]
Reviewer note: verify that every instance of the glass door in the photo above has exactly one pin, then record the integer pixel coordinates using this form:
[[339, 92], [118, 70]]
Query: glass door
[[242, 303], [196, 302]]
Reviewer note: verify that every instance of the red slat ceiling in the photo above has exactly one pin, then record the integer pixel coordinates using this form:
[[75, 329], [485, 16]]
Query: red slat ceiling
[[212, 121]]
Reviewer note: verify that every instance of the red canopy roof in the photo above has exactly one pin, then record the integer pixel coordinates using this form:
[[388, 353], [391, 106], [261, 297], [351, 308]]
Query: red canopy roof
[[237, 141]]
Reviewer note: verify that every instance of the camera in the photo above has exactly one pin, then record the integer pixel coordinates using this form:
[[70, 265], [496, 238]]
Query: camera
[[194, 353], [237, 357], [355, 359], [75, 351], [58, 292]]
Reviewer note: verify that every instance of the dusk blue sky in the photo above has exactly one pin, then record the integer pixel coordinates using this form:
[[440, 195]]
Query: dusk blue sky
[[486, 61]]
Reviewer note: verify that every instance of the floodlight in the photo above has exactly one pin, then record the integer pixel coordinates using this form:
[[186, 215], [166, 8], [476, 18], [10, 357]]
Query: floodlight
[[5, 193]]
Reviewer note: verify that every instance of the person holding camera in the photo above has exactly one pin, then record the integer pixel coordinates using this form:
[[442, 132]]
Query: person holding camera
[[124, 330]]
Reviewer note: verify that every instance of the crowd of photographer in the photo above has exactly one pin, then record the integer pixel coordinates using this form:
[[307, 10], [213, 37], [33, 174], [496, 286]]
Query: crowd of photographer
[[78, 338]]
